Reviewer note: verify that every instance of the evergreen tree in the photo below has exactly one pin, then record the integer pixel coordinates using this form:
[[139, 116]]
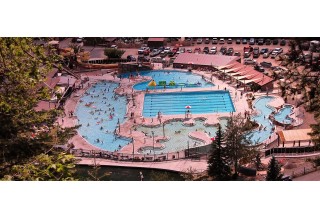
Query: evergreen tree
[[274, 170], [27, 136], [257, 162], [217, 163], [238, 150]]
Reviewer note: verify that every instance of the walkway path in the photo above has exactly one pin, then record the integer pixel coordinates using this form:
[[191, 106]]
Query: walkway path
[[176, 165]]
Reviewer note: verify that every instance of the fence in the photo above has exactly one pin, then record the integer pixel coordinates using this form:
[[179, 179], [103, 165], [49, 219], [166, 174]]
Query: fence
[[196, 153], [293, 151]]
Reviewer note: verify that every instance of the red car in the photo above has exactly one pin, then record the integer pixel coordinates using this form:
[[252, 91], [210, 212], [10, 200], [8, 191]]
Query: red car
[[197, 50]]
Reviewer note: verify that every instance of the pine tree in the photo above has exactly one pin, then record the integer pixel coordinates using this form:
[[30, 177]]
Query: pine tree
[[274, 170], [257, 162], [217, 164], [238, 150]]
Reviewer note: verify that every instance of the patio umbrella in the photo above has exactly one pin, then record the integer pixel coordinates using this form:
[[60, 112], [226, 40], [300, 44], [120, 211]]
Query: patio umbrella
[[188, 106]]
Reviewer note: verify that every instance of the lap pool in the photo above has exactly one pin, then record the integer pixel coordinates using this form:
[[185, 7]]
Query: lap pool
[[202, 102], [172, 79]]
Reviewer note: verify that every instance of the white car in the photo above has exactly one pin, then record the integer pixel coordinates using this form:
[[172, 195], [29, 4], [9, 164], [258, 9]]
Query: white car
[[114, 46], [278, 50], [221, 41], [214, 40], [266, 55], [199, 41], [249, 61], [213, 50], [167, 49]]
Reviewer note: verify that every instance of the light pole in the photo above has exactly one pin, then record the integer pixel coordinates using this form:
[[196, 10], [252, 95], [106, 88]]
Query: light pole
[[119, 125], [163, 130], [132, 149], [154, 154]]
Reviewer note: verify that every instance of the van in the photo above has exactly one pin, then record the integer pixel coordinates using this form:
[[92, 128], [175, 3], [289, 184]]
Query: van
[[156, 59]]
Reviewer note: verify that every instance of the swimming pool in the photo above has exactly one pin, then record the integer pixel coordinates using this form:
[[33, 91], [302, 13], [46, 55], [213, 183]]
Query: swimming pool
[[99, 112], [175, 103], [179, 141], [260, 135], [283, 115], [173, 79]]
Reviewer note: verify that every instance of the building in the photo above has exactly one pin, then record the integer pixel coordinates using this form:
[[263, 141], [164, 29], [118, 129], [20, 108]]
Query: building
[[156, 42], [229, 66]]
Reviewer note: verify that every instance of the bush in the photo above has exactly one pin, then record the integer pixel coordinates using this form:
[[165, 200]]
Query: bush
[[113, 53]]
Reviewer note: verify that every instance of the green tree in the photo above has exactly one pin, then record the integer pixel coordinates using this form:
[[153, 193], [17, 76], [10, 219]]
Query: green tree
[[257, 162], [113, 53], [238, 149], [56, 166], [274, 170], [24, 132], [218, 167]]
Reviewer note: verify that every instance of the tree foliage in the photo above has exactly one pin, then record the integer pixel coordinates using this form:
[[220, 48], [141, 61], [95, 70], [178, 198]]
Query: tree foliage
[[113, 53], [218, 167], [24, 132], [57, 166], [238, 150], [274, 170]]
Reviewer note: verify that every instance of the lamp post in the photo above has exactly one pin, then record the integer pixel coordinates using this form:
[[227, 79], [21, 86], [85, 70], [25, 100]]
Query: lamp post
[[132, 149], [154, 154], [119, 125], [163, 130]]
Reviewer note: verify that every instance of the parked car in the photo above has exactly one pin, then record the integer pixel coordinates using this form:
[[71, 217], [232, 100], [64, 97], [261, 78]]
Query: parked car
[[229, 41], [282, 42], [249, 61], [207, 40], [259, 68], [157, 59], [266, 64], [275, 41], [142, 58], [237, 54], [244, 41], [247, 54], [223, 50], [140, 51], [256, 53], [230, 51], [197, 50], [154, 53], [274, 54], [163, 54], [214, 40], [251, 41], [131, 58], [260, 41], [189, 50], [206, 50], [238, 41], [268, 42], [278, 49], [182, 50], [213, 50], [171, 53], [264, 50], [167, 49], [199, 41], [266, 55], [221, 41]]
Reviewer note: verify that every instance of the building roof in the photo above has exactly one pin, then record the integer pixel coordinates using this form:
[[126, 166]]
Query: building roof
[[204, 59], [155, 39], [295, 135]]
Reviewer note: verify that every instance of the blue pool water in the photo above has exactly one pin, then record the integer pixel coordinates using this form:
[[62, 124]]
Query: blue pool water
[[178, 141], [97, 116], [262, 118], [181, 79], [175, 103], [282, 115]]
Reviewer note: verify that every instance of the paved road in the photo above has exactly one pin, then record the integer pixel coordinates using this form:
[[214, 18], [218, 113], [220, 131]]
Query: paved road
[[314, 176]]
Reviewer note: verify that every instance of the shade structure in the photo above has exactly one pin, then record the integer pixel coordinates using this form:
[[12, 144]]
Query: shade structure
[[152, 83], [188, 106]]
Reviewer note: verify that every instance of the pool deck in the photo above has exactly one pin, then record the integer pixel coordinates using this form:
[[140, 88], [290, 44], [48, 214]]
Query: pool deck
[[135, 107]]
